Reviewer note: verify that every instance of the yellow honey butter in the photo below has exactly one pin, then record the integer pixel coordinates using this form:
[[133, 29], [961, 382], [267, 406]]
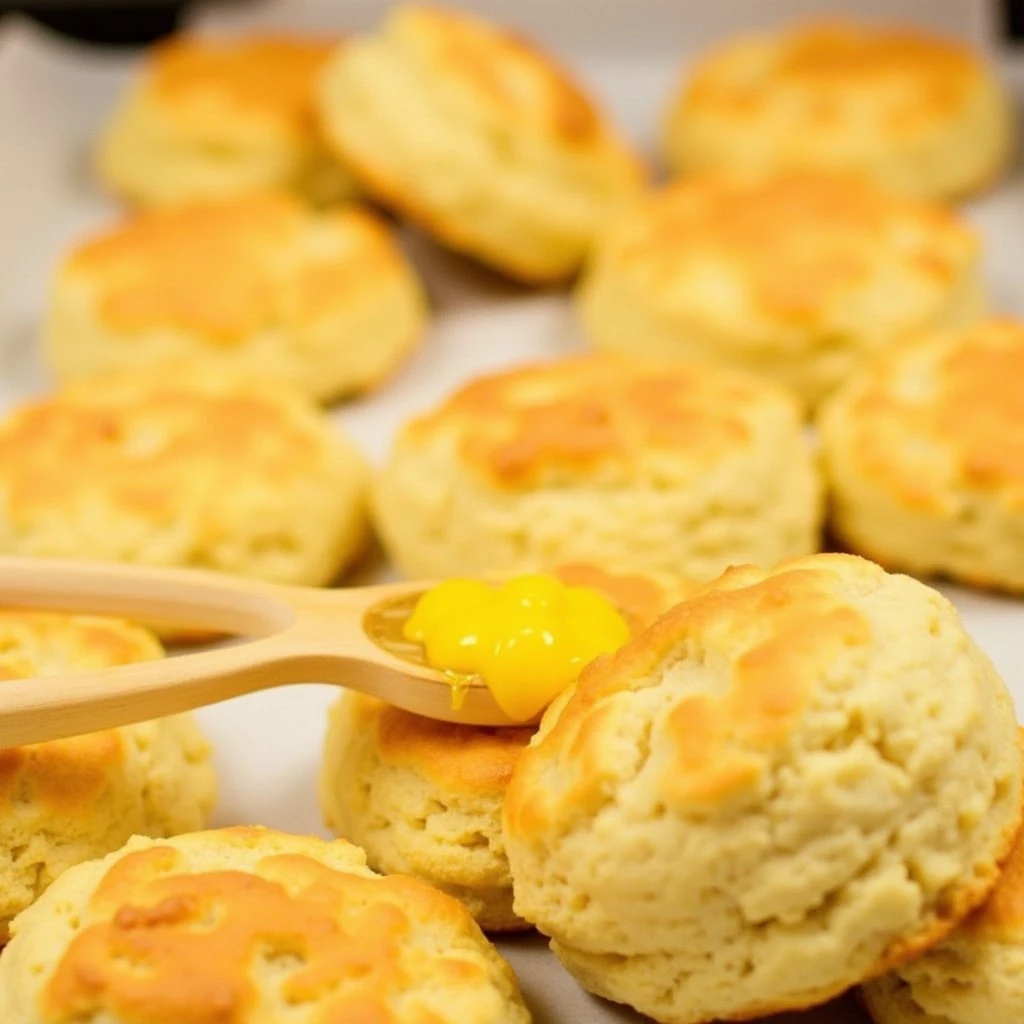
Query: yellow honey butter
[[527, 638]]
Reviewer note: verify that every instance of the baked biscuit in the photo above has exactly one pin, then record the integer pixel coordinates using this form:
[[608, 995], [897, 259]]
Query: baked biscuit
[[797, 277], [921, 115], [182, 468], [248, 925], [70, 800], [976, 975], [924, 452], [795, 780], [326, 302], [212, 118], [477, 137], [604, 460], [424, 798]]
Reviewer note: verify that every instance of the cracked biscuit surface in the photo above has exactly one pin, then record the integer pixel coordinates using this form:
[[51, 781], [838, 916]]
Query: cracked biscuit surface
[[479, 138], [613, 462], [211, 118], [250, 926], [182, 467], [70, 800], [921, 115], [793, 781]]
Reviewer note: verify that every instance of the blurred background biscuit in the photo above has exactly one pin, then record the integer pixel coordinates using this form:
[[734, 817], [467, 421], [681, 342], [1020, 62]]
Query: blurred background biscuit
[[798, 277], [479, 138], [919, 114], [976, 975], [924, 452], [182, 468], [70, 800], [614, 462], [424, 798], [250, 925], [324, 301], [794, 780], [211, 118]]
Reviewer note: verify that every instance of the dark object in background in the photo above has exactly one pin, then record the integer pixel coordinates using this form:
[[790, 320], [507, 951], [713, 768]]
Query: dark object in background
[[136, 22], [125, 24]]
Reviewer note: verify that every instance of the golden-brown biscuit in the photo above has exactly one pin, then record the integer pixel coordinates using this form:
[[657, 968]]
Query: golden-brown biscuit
[[793, 781], [212, 118], [924, 452], [479, 138], [324, 301], [976, 975], [921, 115], [617, 463], [424, 798], [250, 926], [70, 800], [182, 468], [798, 276]]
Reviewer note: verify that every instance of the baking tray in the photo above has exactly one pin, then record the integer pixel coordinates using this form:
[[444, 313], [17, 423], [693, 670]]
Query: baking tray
[[53, 97]]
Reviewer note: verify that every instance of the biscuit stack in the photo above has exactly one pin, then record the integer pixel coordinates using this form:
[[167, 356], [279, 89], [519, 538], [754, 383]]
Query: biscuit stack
[[799, 776]]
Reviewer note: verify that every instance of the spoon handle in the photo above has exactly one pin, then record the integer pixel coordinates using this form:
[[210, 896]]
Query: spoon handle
[[178, 598]]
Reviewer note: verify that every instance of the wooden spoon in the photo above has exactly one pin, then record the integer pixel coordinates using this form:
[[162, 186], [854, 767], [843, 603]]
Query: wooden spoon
[[304, 635]]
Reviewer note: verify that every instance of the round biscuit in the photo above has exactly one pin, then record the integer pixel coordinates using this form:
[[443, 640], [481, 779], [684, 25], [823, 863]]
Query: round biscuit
[[182, 467], [793, 781], [622, 464], [70, 800], [326, 301], [798, 276], [249, 925], [211, 118], [924, 453], [919, 114], [477, 137]]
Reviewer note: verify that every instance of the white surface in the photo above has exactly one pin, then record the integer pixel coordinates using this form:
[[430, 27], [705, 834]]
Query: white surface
[[54, 96]]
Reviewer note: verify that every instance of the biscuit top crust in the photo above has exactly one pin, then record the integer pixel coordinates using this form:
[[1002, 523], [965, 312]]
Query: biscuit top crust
[[787, 246], [494, 69], [905, 78], [598, 417], [940, 417], [288, 267], [726, 678], [66, 775], [160, 446], [169, 942], [270, 77]]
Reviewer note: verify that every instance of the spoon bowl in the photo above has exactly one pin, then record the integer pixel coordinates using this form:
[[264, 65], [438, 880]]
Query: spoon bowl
[[294, 635]]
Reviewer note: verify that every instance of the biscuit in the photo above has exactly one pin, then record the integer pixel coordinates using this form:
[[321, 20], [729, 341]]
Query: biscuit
[[248, 925], [924, 452], [70, 800], [798, 277], [477, 137], [182, 468], [326, 302], [920, 115], [613, 462], [976, 975], [212, 118], [424, 798], [793, 781]]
